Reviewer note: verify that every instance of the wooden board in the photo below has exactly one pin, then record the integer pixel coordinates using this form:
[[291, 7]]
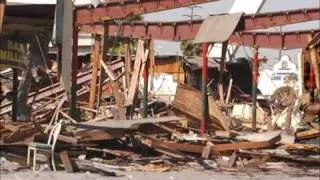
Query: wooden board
[[136, 72], [215, 149], [95, 67], [308, 134], [261, 137], [188, 100], [64, 156]]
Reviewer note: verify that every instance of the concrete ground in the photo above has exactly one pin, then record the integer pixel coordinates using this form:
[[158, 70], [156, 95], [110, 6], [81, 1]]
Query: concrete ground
[[187, 174]]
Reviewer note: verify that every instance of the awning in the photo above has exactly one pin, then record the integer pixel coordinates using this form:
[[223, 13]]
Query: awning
[[218, 28]]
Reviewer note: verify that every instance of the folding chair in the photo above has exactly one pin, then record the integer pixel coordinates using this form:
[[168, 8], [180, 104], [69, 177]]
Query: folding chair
[[48, 147]]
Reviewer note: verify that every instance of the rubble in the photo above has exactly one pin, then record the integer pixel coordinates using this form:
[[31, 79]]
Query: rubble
[[119, 127]]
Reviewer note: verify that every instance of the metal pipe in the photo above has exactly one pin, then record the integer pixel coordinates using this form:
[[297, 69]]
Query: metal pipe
[[255, 69], [204, 96]]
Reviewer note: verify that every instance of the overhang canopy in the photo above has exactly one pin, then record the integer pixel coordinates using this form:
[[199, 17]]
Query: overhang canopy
[[218, 28]]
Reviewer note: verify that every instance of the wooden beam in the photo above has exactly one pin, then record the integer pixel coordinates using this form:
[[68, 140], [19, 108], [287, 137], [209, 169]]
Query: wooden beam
[[187, 100], [308, 134], [215, 149], [128, 63], [315, 60], [108, 70], [221, 72], [105, 49], [95, 66], [140, 58]]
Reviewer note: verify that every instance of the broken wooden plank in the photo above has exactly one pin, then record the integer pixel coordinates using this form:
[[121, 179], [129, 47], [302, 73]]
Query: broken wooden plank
[[311, 133], [87, 165], [66, 161], [261, 137], [215, 149], [95, 67], [188, 101], [117, 153], [128, 63], [125, 124], [108, 70], [141, 57], [293, 158], [68, 117], [67, 139], [98, 135]]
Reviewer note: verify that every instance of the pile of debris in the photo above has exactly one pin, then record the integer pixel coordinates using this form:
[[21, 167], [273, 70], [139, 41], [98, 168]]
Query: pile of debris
[[113, 137]]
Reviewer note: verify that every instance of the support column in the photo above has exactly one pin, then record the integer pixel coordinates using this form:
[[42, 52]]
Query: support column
[[145, 82], [95, 61], [74, 110], [104, 57], [222, 66], [255, 69], [204, 96], [59, 60], [15, 85]]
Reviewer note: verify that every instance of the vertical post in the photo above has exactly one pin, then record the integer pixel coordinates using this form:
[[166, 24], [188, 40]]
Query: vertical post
[[15, 85], [145, 83], [255, 65], [204, 96], [222, 65], [74, 111], [2, 10], [105, 49], [95, 61], [59, 59], [128, 63]]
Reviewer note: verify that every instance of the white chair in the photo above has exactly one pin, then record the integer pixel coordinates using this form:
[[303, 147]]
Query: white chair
[[49, 147]]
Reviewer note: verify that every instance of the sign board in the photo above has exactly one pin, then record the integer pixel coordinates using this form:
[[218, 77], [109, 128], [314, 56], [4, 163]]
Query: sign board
[[13, 54]]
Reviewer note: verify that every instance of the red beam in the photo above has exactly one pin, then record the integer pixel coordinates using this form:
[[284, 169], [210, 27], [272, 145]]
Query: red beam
[[186, 31], [287, 40], [122, 8], [266, 20]]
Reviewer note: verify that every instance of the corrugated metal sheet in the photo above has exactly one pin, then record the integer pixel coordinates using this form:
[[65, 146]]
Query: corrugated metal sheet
[[217, 28]]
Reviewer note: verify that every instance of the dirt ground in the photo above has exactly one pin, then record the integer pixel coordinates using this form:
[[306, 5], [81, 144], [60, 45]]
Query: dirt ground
[[187, 174]]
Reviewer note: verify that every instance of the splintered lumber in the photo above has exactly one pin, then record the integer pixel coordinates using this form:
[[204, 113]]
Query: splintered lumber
[[125, 124], [308, 134], [261, 137], [292, 158], [215, 149], [97, 167], [135, 74], [67, 139], [128, 63], [98, 135], [108, 70], [315, 63], [95, 67], [141, 57], [67, 163], [188, 100]]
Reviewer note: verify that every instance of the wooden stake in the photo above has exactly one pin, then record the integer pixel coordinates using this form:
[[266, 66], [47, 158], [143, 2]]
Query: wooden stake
[[229, 91]]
